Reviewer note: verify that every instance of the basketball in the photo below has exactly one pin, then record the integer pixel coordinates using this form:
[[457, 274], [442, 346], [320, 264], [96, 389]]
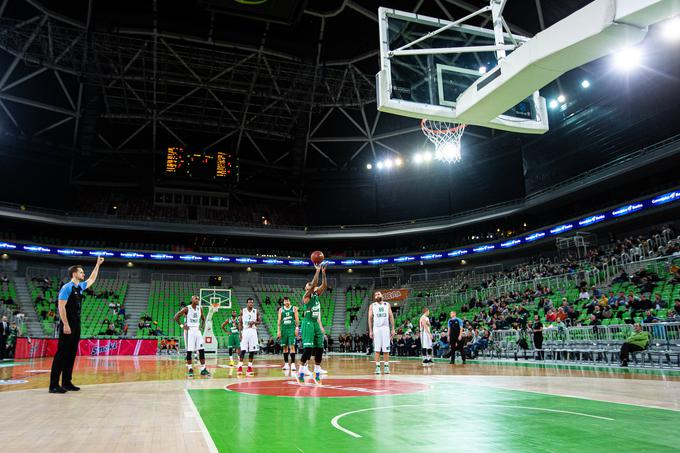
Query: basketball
[[317, 257]]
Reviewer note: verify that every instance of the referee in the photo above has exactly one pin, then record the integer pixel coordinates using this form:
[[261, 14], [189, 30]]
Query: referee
[[455, 334], [70, 298]]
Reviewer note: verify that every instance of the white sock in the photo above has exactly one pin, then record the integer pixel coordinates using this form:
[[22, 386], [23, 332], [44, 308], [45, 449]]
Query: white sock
[[240, 363], [250, 364], [188, 366], [203, 367], [317, 368]]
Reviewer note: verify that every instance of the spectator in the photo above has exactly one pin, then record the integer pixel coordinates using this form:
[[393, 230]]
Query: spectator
[[638, 341], [4, 336], [551, 316], [537, 328]]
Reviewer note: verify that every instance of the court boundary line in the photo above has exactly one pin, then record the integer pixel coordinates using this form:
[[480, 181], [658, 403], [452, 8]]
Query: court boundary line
[[574, 396], [204, 429], [336, 424]]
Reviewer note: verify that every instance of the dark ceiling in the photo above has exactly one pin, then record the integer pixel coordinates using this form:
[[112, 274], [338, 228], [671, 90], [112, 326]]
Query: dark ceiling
[[288, 85]]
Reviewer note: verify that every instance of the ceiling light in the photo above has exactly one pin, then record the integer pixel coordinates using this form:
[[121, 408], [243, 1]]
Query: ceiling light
[[417, 158], [387, 163], [380, 165], [670, 29], [628, 58], [553, 104], [398, 162], [561, 98], [369, 166], [585, 84], [427, 156], [482, 69]]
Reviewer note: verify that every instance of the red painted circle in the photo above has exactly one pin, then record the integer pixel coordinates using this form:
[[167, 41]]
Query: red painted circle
[[328, 388]]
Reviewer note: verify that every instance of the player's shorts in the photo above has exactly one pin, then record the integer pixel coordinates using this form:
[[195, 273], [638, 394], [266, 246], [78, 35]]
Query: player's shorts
[[311, 335], [193, 339], [288, 337], [249, 340], [426, 340], [381, 339], [233, 341]]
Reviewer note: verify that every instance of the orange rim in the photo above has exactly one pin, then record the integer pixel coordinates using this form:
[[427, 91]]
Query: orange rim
[[440, 131]]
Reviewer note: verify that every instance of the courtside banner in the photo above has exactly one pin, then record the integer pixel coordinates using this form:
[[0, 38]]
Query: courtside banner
[[390, 295], [47, 347], [36, 347], [94, 347]]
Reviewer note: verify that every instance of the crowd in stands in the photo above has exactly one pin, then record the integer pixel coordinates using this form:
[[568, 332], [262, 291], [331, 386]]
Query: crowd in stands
[[632, 298]]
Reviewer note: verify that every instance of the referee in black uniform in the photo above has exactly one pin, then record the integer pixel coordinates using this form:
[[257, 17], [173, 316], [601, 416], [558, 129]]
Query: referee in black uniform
[[70, 298]]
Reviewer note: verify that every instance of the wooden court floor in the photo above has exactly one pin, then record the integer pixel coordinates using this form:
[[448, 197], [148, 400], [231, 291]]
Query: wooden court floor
[[148, 404]]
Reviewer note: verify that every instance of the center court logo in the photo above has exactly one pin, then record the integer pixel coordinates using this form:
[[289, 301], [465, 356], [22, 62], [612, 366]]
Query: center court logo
[[340, 387]]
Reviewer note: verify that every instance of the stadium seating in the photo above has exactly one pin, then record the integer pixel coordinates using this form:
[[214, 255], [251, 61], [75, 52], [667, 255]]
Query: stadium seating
[[166, 298], [95, 312], [8, 291], [354, 299]]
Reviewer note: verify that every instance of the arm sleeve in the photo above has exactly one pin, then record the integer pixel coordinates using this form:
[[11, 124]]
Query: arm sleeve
[[65, 292]]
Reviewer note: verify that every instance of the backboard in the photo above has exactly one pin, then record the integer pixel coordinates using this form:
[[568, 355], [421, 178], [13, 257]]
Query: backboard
[[427, 63], [475, 70]]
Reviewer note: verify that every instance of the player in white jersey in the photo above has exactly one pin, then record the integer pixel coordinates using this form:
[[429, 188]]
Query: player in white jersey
[[250, 318], [381, 330], [426, 336], [192, 333]]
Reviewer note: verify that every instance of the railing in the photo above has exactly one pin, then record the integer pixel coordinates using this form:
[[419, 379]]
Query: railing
[[501, 208], [292, 282], [663, 336], [34, 271], [193, 278]]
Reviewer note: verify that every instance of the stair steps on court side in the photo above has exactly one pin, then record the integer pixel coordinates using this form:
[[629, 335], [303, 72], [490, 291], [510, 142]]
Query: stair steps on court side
[[136, 303], [27, 307], [339, 314], [360, 325]]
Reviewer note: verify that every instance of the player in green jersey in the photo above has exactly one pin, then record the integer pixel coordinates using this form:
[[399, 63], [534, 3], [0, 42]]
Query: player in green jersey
[[288, 325], [231, 326], [312, 329]]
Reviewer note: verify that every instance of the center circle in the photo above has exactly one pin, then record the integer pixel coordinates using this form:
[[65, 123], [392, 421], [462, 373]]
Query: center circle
[[329, 388]]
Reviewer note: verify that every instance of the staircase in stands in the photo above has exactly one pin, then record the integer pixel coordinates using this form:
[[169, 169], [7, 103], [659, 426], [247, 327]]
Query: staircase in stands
[[27, 307], [136, 303]]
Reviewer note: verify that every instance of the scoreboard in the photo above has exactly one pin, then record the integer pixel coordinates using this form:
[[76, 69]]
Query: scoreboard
[[201, 165]]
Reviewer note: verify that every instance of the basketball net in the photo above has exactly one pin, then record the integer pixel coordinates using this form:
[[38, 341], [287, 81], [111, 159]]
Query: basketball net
[[446, 138]]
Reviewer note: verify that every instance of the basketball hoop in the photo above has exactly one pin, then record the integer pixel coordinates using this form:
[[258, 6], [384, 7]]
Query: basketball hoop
[[445, 137]]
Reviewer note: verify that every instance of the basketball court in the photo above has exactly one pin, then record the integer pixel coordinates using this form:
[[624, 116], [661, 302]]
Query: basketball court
[[130, 404], [445, 74]]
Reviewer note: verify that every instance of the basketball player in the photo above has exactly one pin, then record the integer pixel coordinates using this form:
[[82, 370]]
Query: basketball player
[[312, 329], [195, 320], [288, 315], [230, 326], [381, 330], [426, 336], [250, 318]]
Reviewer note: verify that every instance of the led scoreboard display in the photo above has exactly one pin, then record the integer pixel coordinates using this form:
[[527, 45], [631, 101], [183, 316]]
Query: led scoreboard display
[[203, 165]]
